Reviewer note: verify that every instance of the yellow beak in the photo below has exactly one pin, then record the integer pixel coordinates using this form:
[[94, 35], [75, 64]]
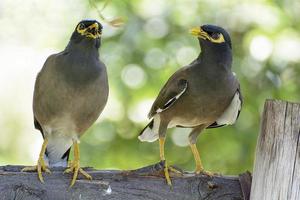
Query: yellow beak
[[199, 32], [91, 35], [94, 25]]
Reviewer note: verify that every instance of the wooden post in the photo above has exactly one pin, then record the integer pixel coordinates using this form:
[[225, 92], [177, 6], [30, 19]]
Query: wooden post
[[276, 174]]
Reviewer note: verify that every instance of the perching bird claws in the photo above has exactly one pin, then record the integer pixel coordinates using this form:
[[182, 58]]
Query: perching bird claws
[[172, 168], [68, 170], [167, 175], [75, 167], [41, 166], [208, 173], [198, 170], [86, 175], [175, 170], [167, 169]]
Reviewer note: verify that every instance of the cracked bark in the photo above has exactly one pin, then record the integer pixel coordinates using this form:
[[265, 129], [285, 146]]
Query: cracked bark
[[145, 183]]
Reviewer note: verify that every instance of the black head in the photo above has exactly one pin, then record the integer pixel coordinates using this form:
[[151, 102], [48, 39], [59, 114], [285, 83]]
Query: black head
[[88, 30], [211, 35]]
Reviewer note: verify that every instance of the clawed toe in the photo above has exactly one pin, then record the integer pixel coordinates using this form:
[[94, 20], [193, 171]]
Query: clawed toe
[[207, 173], [75, 168], [39, 168]]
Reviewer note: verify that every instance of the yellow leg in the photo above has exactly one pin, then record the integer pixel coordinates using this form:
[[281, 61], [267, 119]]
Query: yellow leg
[[75, 165], [162, 158], [41, 166], [162, 148], [199, 167]]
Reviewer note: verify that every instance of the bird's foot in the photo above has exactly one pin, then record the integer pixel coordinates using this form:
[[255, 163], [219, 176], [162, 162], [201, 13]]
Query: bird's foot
[[175, 170], [167, 169], [74, 166], [41, 166], [166, 172], [202, 171]]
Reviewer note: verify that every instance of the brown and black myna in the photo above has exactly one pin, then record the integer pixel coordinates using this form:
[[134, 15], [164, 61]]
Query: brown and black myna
[[203, 94], [70, 92]]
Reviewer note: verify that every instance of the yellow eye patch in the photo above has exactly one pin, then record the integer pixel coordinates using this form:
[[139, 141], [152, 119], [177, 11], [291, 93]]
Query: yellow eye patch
[[204, 35], [219, 39]]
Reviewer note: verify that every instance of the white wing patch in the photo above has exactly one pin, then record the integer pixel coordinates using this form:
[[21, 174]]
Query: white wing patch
[[231, 113], [172, 100]]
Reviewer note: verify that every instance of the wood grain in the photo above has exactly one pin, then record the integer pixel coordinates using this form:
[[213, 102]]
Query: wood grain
[[277, 163]]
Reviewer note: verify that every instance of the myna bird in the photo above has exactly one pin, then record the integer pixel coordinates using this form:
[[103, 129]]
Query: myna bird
[[203, 94], [70, 92]]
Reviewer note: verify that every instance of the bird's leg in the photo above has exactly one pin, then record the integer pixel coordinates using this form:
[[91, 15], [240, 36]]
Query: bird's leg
[[162, 135], [74, 166], [193, 139], [199, 167], [41, 166], [162, 158]]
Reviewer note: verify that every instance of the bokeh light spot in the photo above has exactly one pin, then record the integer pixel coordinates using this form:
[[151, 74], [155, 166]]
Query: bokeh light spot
[[155, 58], [133, 76], [186, 55], [113, 110], [180, 136], [261, 48], [150, 8], [156, 28], [287, 48], [138, 113]]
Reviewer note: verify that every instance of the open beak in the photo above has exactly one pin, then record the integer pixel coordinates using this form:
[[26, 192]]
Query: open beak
[[93, 31], [199, 32]]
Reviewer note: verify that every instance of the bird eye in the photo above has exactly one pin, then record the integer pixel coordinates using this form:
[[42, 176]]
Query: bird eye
[[81, 26], [215, 36]]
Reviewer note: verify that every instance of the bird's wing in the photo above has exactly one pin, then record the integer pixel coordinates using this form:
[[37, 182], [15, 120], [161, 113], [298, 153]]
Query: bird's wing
[[232, 112], [38, 91], [168, 95]]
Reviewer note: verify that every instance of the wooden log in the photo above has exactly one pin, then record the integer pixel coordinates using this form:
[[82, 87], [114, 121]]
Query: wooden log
[[277, 163], [145, 183]]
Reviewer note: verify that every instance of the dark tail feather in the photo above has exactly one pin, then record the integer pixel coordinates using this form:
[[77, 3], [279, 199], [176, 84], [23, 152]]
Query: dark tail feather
[[66, 155], [215, 125]]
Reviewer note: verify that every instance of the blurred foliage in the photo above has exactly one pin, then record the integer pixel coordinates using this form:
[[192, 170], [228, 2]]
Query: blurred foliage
[[153, 44]]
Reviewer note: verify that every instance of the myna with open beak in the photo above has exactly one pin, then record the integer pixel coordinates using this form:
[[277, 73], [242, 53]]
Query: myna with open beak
[[203, 94], [70, 92]]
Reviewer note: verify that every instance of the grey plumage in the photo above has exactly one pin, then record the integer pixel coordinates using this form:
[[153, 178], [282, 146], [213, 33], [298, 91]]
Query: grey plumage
[[70, 92]]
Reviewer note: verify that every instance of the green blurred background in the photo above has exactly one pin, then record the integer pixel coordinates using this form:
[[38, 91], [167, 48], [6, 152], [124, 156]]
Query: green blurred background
[[140, 56]]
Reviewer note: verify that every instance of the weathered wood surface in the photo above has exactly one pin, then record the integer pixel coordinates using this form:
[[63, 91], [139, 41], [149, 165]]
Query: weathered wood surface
[[277, 164], [144, 183]]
